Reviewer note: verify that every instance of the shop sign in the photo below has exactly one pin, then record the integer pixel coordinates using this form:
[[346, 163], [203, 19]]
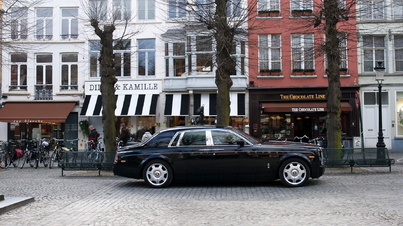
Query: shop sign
[[307, 109], [124, 87], [303, 96], [28, 121]]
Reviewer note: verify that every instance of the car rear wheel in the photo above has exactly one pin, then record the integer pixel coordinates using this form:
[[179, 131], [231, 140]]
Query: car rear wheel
[[294, 172], [158, 174]]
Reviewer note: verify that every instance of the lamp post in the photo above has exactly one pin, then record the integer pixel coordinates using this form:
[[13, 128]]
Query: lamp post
[[379, 76]]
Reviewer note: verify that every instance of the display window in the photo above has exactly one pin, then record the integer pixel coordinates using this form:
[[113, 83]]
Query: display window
[[399, 116]]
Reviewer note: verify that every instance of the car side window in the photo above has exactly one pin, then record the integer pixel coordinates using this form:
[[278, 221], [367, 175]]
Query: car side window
[[161, 141], [193, 138], [224, 138]]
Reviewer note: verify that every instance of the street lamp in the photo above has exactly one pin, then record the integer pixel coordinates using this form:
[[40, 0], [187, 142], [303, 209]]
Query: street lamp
[[379, 76]]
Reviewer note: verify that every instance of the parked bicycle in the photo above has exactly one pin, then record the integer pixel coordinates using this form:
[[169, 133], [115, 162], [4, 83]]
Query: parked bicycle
[[95, 152], [30, 146], [41, 155], [2, 154], [12, 155], [59, 151]]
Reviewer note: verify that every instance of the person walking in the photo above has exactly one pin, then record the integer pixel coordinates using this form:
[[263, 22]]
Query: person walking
[[124, 134], [93, 137]]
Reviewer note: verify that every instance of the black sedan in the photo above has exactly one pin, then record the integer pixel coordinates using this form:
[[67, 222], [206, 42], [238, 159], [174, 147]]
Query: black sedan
[[202, 153]]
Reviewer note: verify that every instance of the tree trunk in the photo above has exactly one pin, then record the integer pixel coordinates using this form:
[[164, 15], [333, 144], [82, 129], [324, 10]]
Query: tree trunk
[[108, 81], [333, 122], [224, 36]]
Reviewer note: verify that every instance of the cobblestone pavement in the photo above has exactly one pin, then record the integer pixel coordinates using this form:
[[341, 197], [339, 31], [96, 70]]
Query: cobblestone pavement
[[368, 196]]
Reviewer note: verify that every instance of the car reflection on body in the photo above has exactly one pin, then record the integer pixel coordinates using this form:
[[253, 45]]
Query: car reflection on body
[[217, 154]]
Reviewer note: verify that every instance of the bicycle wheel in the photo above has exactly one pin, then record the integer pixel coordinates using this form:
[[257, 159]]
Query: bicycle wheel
[[2, 160], [16, 161], [45, 158], [54, 159], [34, 159], [25, 158]]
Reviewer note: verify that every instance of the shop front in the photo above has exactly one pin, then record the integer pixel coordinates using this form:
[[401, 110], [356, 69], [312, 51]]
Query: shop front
[[299, 112], [186, 108], [40, 120], [136, 105]]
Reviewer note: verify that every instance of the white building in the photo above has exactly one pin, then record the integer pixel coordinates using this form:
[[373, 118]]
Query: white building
[[381, 40], [51, 73]]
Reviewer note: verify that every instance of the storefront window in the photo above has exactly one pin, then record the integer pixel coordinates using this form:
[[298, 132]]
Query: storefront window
[[275, 125], [399, 107]]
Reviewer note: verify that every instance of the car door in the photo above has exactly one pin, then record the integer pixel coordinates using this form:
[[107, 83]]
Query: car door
[[233, 156], [194, 156]]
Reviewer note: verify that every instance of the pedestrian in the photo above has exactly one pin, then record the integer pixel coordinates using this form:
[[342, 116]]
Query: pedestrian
[[146, 136], [93, 137], [140, 133], [124, 134]]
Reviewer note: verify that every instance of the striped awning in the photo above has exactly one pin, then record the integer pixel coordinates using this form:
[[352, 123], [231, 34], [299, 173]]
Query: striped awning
[[209, 101], [176, 104], [126, 105]]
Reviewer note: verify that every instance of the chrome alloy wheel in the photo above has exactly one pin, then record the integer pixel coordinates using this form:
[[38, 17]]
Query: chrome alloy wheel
[[158, 174], [294, 173]]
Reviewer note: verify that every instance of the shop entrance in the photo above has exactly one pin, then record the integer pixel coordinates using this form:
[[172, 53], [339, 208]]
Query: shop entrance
[[310, 125]]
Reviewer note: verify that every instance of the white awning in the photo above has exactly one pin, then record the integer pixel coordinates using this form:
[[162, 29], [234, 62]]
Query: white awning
[[126, 105], [209, 101]]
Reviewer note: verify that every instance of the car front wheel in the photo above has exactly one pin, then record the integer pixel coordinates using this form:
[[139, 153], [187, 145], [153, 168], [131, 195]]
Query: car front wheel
[[294, 172], [158, 174]]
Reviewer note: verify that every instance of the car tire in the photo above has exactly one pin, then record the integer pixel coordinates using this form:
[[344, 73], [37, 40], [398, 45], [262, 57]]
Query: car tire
[[158, 174], [294, 172]]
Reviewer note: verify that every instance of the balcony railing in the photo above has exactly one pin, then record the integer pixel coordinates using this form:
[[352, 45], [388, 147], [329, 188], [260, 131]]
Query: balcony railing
[[43, 92]]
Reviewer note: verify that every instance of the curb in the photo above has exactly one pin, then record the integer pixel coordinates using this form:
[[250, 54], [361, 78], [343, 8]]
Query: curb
[[10, 203]]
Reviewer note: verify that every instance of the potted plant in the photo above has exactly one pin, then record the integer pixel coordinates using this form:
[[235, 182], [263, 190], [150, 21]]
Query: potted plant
[[298, 71], [269, 13], [309, 71], [301, 12], [275, 72], [343, 71]]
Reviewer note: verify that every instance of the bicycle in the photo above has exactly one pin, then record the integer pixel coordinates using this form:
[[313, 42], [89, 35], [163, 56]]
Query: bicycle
[[59, 151], [2, 154], [28, 153], [12, 155], [95, 153], [41, 155]]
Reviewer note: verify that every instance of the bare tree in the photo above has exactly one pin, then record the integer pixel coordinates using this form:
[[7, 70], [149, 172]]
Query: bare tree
[[225, 19], [104, 23], [330, 16]]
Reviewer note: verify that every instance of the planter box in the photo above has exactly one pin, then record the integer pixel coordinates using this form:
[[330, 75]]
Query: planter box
[[273, 13], [299, 13]]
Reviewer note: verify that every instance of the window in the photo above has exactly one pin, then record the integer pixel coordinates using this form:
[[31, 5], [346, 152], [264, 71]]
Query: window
[[146, 57], [269, 52], [343, 50], [19, 23], [122, 57], [398, 45], [371, 98], [301, 5], [374, 51], [176, 9], [175, 59], [122, 9], [44, 69], [95, 53], [204, 8], [18, 71], [234, 8], [268, 5], [193, 138], [44, 24], [146, 10], [200, 54], [99, 9], [399, 117], [397, 9], [238, 55], [69, 71], [302, 52], [69, 23], [224, 138], [372, 9]]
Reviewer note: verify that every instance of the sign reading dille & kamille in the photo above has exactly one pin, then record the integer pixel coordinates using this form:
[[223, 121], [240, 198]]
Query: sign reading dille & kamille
[[302, 96], [124, 87]]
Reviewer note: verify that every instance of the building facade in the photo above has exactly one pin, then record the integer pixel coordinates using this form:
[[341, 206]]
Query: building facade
[[288, 80], [380, 39]]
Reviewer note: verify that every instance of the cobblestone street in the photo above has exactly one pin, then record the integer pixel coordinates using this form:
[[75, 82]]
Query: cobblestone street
[[368, 196]]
